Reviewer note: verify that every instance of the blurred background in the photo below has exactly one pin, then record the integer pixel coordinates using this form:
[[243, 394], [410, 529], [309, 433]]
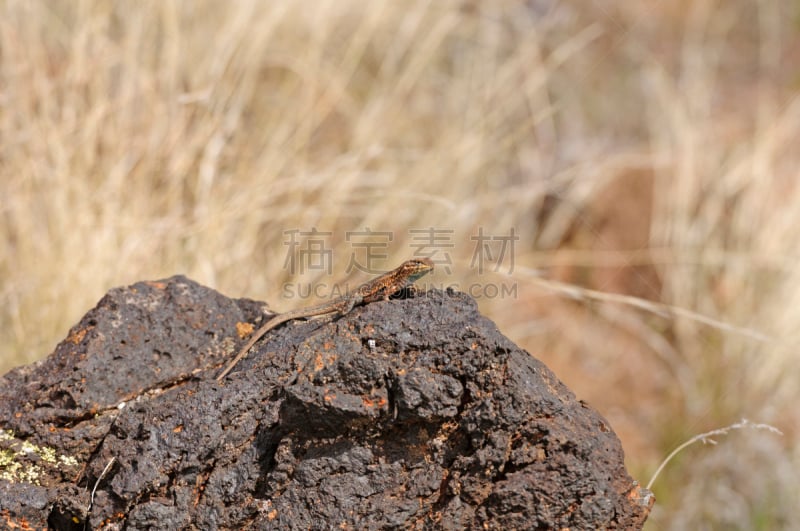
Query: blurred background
[[615, 182]]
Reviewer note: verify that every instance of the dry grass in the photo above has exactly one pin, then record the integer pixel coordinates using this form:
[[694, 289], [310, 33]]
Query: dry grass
[[644, 150]]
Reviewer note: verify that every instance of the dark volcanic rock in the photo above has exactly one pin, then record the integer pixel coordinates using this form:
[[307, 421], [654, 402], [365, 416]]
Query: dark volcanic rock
[[412, 413]]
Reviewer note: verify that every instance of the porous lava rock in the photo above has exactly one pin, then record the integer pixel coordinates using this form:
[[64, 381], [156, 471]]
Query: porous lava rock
[[414, 413]]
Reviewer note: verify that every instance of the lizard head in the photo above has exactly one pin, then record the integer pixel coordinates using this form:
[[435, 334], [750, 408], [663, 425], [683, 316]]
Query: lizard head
[[416, 268]]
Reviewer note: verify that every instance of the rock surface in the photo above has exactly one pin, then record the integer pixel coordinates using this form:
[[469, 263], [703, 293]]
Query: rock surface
[[413, 413]]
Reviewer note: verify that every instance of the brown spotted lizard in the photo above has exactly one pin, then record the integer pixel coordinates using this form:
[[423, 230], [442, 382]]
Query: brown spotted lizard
[[379, 288]]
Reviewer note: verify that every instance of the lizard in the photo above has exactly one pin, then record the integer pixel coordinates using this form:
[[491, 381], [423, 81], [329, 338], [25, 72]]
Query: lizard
[[379, 288]]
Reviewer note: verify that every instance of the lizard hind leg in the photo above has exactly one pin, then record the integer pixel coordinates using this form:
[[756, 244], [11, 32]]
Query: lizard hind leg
[[349, 304]]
